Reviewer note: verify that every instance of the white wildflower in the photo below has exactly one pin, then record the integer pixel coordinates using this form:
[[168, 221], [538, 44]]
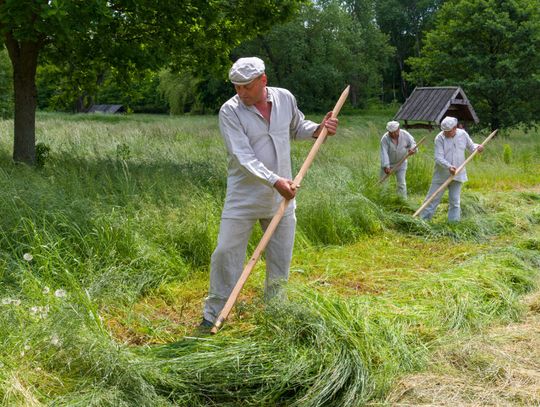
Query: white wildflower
[[46, 290], [28, 257], [26, 347], [60, 293], [41, 312], [55, 340], [8, 301]]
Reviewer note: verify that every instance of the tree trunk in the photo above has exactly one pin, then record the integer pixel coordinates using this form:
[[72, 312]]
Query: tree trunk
[[402, 82], [24, 57]]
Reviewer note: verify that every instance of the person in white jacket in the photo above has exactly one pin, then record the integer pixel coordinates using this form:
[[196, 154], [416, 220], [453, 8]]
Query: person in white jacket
[[257, 125], [396, 144], [450, 146]]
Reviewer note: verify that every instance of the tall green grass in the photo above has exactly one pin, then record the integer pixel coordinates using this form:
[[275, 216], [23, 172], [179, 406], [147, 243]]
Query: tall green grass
[[127, 205]]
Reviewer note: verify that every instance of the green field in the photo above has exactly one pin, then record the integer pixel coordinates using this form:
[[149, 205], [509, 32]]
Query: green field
[[104, 256]]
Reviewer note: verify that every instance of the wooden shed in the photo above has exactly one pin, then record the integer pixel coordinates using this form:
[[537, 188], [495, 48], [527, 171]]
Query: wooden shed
[[106, 109], [433, 104]]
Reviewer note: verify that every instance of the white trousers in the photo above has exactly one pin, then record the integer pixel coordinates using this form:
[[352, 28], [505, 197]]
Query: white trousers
[[401, 183], [454, 208], [227, 261]]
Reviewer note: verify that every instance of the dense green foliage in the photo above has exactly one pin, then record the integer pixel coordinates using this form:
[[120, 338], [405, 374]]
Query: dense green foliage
[[108, 65], [327, 46], [180, 64], [125, 211], [405, 23], [138, 91], [6, 86], [489, 48]]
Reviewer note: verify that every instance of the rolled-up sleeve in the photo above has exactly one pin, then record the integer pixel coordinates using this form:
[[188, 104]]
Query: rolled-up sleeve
[[239, 148]]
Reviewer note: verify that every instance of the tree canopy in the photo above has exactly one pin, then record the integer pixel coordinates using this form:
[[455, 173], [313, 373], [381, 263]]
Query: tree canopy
[[86, 37], [490, 49], [328, 46], [404, 22], [149, 54]]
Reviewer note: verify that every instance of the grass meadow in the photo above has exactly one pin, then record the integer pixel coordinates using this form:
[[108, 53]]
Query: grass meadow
[[104, 257]]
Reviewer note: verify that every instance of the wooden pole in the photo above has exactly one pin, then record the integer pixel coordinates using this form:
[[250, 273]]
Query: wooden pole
[[451, 177], [395, 167], [275, 220]]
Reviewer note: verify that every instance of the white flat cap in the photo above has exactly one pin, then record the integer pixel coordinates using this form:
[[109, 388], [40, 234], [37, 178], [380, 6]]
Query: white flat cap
[[448, 123], [245, 70], [392, 126]]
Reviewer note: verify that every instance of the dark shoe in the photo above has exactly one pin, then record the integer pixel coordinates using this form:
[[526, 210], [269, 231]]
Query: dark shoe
[[205, 325]]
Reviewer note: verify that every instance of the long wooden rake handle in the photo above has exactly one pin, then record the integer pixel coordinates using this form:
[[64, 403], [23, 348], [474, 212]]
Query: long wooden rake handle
[[451, 177], [395, 167], [275, 220]]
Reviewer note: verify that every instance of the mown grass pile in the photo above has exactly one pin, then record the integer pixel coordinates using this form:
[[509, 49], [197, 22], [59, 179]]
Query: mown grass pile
[[126, 209]]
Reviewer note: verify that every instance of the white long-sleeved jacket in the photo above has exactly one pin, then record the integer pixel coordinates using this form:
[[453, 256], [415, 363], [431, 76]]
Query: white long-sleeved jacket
[[392, 153], [259, 152], [451, 152]]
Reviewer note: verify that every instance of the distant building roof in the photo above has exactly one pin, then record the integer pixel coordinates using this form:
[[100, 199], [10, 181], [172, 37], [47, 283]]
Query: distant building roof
[[434, 103], [106, 109]]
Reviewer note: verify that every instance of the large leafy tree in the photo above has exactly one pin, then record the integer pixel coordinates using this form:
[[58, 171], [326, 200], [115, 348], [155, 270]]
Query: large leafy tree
[[490, 48], [327, 46], [404, 22], [92, 35]]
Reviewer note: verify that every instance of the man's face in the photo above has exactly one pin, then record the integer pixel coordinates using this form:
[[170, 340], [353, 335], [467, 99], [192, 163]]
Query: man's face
[[253, 92], [450, 133], [394, 134]]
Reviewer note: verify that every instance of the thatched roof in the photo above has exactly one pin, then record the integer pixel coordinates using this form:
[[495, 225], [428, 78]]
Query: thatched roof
[[433, 104]]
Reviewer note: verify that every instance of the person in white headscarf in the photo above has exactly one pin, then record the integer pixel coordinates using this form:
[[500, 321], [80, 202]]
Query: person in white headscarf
[[395, 144], [450, 146], [257, 125]]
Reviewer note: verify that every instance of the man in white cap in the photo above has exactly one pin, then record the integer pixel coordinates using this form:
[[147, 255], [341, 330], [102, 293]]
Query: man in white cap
[[396, 144], [450, 146], [257, 125]]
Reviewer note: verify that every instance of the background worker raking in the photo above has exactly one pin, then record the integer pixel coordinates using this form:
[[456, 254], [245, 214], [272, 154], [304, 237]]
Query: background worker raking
[[450, 146], [395, 144]]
